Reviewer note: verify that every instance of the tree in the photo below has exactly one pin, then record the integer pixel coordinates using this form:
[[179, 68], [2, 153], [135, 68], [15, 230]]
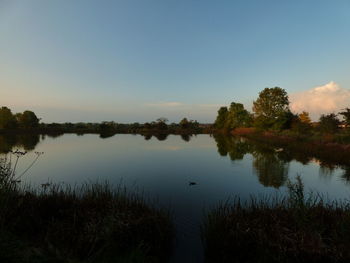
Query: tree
[[329, 123], [237, 117], [304, 117], [162, 119], [161, 123], [27, 119], [271, 109], [184, 123], [346, 116], [7, 119], [302, 123], [221, 118]]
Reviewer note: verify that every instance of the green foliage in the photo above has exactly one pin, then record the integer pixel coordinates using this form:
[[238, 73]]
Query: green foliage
[[221, 118], [184, 123], [27, 119], [271, 109], [7, 119], [238, 117], [329, 123], [234, 117]]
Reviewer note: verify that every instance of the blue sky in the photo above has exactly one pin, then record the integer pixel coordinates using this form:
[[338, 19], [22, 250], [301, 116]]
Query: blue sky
[[139, 60]]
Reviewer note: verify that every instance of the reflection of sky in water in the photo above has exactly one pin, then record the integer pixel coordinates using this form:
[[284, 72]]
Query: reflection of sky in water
[[163, 169]]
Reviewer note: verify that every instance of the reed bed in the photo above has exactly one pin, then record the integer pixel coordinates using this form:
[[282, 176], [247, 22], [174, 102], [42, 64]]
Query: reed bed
[[90, 223], [295, 228]]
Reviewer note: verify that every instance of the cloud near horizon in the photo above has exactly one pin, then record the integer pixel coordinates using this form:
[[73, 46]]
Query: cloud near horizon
[[320, 100]]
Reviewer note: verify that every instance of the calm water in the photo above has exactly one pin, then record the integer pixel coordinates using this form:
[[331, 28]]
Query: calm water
[[163, 167]]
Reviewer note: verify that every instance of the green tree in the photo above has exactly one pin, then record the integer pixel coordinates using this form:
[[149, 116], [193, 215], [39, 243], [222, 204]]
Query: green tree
[[7, 119], [162, 119], [27, 119], [271, 109], [329, 123], [184, 123], [238, 116], [221, 118], [161, 124]]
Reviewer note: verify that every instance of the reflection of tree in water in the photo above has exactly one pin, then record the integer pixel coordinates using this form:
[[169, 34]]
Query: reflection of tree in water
[[346, 174], [326, 170], [7, 142], [26, 141], [106, 135], [186, 137], [147, 137], [161, 137], [235, 147], [270, 169], [56, 134]]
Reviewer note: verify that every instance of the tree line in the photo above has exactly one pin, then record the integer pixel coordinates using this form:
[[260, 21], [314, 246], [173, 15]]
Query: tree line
[[26, 119], [271, 112], [29, 120]]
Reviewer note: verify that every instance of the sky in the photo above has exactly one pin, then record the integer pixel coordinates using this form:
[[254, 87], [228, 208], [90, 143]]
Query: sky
[[136, 61]]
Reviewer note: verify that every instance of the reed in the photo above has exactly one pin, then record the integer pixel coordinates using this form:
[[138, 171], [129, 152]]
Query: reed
[[88, 223], [295, 228]]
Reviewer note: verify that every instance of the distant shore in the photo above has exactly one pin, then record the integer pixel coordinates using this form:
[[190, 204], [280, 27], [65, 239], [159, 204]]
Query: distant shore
[[109, 131]]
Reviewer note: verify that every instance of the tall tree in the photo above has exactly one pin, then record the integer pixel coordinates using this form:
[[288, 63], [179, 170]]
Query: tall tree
[[184, 123], [271, 109], [7, 119], [238, 116], [27, 119], [329, 123], [221, 118]]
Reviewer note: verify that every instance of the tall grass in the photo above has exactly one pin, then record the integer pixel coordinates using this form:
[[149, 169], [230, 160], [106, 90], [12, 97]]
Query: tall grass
[[90, 223], [296, 228]]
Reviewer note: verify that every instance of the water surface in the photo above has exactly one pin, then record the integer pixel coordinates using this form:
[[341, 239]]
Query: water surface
[[162, 167]]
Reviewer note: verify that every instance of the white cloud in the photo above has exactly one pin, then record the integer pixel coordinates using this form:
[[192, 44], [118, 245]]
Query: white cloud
[[321, 100]]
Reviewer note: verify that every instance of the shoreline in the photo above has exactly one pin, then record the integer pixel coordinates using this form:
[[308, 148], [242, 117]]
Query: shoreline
[[325, 149]]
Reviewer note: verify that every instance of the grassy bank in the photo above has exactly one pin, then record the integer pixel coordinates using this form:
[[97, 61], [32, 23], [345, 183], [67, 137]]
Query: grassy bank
[[328, 148], [91, 223], [291, 229]]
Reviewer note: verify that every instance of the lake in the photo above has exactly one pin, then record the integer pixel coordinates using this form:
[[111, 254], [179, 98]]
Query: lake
[[161, 168]]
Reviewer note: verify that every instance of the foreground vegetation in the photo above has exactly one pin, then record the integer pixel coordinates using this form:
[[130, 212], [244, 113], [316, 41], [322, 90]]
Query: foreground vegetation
[[292, 229], [92, 223]]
